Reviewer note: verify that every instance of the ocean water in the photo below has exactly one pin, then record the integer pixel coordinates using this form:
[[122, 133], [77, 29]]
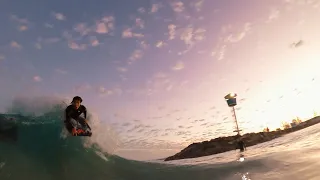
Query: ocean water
[[42, 150]]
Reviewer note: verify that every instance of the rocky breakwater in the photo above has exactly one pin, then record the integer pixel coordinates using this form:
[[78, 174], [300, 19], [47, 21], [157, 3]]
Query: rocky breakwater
[[223, 144]]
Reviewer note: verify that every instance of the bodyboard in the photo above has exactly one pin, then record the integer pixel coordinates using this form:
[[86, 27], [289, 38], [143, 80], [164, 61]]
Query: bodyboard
[[88, 133], [83, 130]]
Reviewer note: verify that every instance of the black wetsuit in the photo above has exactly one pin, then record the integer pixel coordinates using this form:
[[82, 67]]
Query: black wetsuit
[[72, 113], [241, 146]]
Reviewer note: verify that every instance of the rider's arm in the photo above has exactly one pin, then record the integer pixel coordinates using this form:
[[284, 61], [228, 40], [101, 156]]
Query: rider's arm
[[67, 114], [84, 112]]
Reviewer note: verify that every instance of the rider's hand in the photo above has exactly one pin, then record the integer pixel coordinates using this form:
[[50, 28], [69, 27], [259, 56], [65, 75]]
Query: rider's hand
[[74, 132]]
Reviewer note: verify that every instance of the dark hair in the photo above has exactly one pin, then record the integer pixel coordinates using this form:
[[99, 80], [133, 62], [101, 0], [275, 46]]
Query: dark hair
[[77, 98]]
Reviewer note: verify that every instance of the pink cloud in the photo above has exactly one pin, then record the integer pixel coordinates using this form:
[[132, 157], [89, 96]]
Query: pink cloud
[[136, 54], [76, 46], [94, 41], [140, 23], [155, 8], [20, 20], [37, 79], [59, 16], [82, 88], [60, 71], [105, 25], [122, 69], [102, 28], [15, 45], [179, 66], [82, 29], [141, 10], [178, 6], [172, 31], [23, 28], [127, 33]]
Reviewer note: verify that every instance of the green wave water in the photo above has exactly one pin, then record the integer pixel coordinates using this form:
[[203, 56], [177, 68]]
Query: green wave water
[[32, 146]]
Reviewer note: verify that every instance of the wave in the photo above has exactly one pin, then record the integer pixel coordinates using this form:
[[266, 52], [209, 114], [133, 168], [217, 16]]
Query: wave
[[33, 141], [34, 145]]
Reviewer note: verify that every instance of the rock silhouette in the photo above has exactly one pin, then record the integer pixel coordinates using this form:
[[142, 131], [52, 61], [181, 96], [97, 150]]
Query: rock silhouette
[[223, 144]]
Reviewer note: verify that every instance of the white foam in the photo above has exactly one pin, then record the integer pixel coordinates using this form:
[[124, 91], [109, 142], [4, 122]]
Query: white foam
[[103, 135]]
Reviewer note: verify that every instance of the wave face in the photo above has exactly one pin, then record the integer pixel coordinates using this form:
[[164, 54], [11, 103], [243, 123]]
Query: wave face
[[33, 145]]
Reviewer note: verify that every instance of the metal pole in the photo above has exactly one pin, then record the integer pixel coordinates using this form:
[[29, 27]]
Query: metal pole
[[235, 118]]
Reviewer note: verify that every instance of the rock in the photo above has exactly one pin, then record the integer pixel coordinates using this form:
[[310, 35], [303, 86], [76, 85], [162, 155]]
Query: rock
[[223, 144]]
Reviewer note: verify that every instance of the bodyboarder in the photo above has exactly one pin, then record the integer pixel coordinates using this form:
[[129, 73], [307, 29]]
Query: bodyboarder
[[73, 118]]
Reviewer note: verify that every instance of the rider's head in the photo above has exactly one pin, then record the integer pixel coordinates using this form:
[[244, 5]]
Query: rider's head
[[76, 101]]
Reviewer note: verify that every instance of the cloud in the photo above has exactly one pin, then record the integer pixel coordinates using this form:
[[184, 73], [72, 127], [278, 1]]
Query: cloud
[[105, 25], [20, 20], [160, 44], [67, 35], [172, 31], [135, 55], [127, 33], [234, 38], [38, 46], [198, 5], [104, 91], [82, 28], [122, 69], [222, 52], [59, 16], [144, 45], [141, 10], [50, 40], [37, 79], [199, 34], [102, 28], [122, 77], [188, 35], [22, 23], [177, 6], [15, 45], [60, 71], [179, 66], [155, 8], [108, 92], [94, 41], [221, 49], [160, 75], [47, 25], [274, 14], [155, 85], [82, 88], [23, 28], [76, 46], [139, 23], [169, 87]]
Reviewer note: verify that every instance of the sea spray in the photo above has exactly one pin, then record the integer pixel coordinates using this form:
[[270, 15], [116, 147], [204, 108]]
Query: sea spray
[[50, 110]]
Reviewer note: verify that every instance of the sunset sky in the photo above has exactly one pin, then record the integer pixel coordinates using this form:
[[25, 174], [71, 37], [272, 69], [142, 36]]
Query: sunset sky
[[157, 71]]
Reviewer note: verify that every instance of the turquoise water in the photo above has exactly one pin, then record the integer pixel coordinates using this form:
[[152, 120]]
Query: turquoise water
[[40, 151]]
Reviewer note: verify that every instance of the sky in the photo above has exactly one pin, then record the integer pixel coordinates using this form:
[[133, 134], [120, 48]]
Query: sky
[[157, 71]]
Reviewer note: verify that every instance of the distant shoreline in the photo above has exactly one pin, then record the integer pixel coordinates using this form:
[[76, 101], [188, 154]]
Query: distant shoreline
[[224, 144]]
